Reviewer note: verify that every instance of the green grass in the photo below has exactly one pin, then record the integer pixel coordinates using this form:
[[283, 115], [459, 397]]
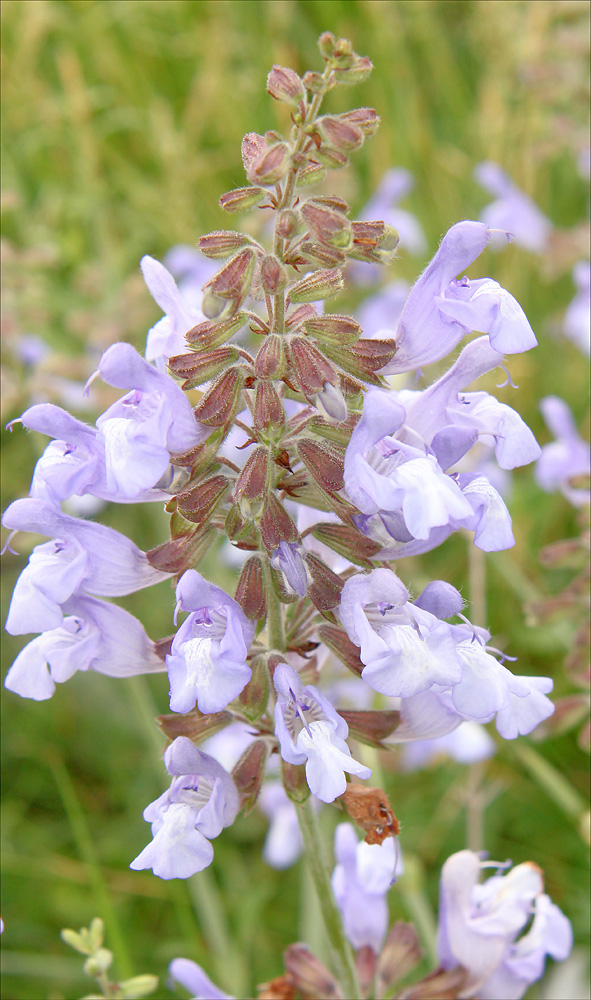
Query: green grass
[[122, 126]]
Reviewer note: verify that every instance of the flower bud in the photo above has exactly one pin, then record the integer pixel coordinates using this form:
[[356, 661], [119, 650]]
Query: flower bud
[[372, 728], [221, 401], [295, 783], [298, 316], [270, 361], [314, 82], [324, 463], [309, 976], [288, 224], [241, 199], [249, 772], [221, 243], [206, 336], [332, 402], [318, 285], [333, 327], [98, 963], [234, 279], [253, 145], [198, 503], [181, 552], [330, 157], [344, 135], [339, 643], [312, 173], [366, 119], [195, 726], [273, 276], [288, 558], [348, 542], [268, 410], [327, 224], [215, 307], [270, 166], [357, 72], [276, 525], [284, 84], [251, 487], [199, 367], [326, 44], [400, 954], [325, 589], [250, 591], [138, 986], [362, 359], [320, 254], [310, 368]]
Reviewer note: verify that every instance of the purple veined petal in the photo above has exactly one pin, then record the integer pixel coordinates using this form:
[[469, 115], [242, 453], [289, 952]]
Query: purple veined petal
[[47, 418], [491, 523], [287, 681], [199, 676], [136, 453], [328, 757], [115, 565], [192, 977], [381, 416], [287, 745], [288, 558], [178, 850], [194, 592], [485, 306], [520, 716], [381, 586], [439, 598]]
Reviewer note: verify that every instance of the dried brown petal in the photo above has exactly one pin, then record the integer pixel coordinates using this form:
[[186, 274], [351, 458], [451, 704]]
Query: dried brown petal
[[370, 808], [276, 989]]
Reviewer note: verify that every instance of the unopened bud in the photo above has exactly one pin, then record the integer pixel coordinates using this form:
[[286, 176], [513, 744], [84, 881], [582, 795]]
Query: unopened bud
[[270, 166], [328, 225], [198, 503], [310, 368], [314, 82], [252, 146], [284, 84], [366, 119], [348, 542], [308, 975], [372, 728], [332, 402], [276, 525], [215, 307], [249, 772], [333, 201], [250, 591], [255, 696], [251, 486], [268, 410], [298, 316], [339, 643], [330, 157], [234, 279], [334, 328], [98, 962], [318, 285], [400, 954], [208, 335], [221, 243], [295, 783], [340, 133], [287, 224], [220, 403], [138, 986], [324, 463], [241, 199], [289, 560], [313, 173], [357, 72], [273, 276], [271, 361], [320, 254], [326, 44], [326, 587], [201, 366]]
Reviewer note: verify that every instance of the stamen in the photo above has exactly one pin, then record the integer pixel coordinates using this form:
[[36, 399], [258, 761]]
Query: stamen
[[6, 546], [508, 380], [92, 379]]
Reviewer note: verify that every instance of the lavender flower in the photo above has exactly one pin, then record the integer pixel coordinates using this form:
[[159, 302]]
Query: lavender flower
[[289, 559], [201, 801], [381, 312], [567, 457], [577, 318], [361, 879], [310, 731], [467, 744], [283, 843], [479, 927], [207, 662], [93, 635], [167, 337], [83, 558], [192, 977], [512, 211], [441, 310]]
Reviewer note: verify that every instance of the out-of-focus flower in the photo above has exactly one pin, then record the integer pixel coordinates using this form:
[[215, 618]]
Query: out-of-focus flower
[[207, 661], [167, 336], [192, 977], [383, 205], [441, 310], [283, 843], [479, 927], [361, 879], [577, 318], [383, 310], [467, 744], [565, 458], [201, 801], [311, 732], [513, 211]]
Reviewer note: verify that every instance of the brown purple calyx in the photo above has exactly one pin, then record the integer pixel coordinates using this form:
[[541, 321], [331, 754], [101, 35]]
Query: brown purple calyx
[[310, 978], [334, 327], [400, 954], [273, 276], [324, 463], [252, 146], [194, 725], [284, 84], [348, 542], [250, 590], [342, 134], [205, 336], [271, 359], [268, 410], [233, 280], [309, 366], [339, 643], [199, 367], [220, 403], [251, 486], [326, 586], [329, 225], [270, 166], [366, 119], [241, 199], [249, 772], [222, 243], [198, 503], [276, 525]]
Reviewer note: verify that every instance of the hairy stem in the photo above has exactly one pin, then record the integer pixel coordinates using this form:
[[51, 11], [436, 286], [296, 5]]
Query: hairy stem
[[340, 947]]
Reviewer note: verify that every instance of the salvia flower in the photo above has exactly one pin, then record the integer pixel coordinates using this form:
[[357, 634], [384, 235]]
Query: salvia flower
[[207, 663], [201, 801], [400, 461], [565, 458], [467, 744], [577, 318], [480, 924], [167, 336], [361, 879], [442, 309], [289, 558], [283, 843], [393, 187], [93, 635], [311, 732], [83, 558], [512, 211], [192, 977]]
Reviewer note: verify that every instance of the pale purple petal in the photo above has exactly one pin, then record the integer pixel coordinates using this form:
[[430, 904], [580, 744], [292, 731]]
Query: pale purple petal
[[192, 977]]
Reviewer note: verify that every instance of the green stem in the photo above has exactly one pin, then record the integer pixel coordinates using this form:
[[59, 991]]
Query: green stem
[[274, 613], [340, 947]]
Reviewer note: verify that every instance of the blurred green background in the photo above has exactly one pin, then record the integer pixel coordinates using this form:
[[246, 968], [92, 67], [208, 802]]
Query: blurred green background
[[122, 126]]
